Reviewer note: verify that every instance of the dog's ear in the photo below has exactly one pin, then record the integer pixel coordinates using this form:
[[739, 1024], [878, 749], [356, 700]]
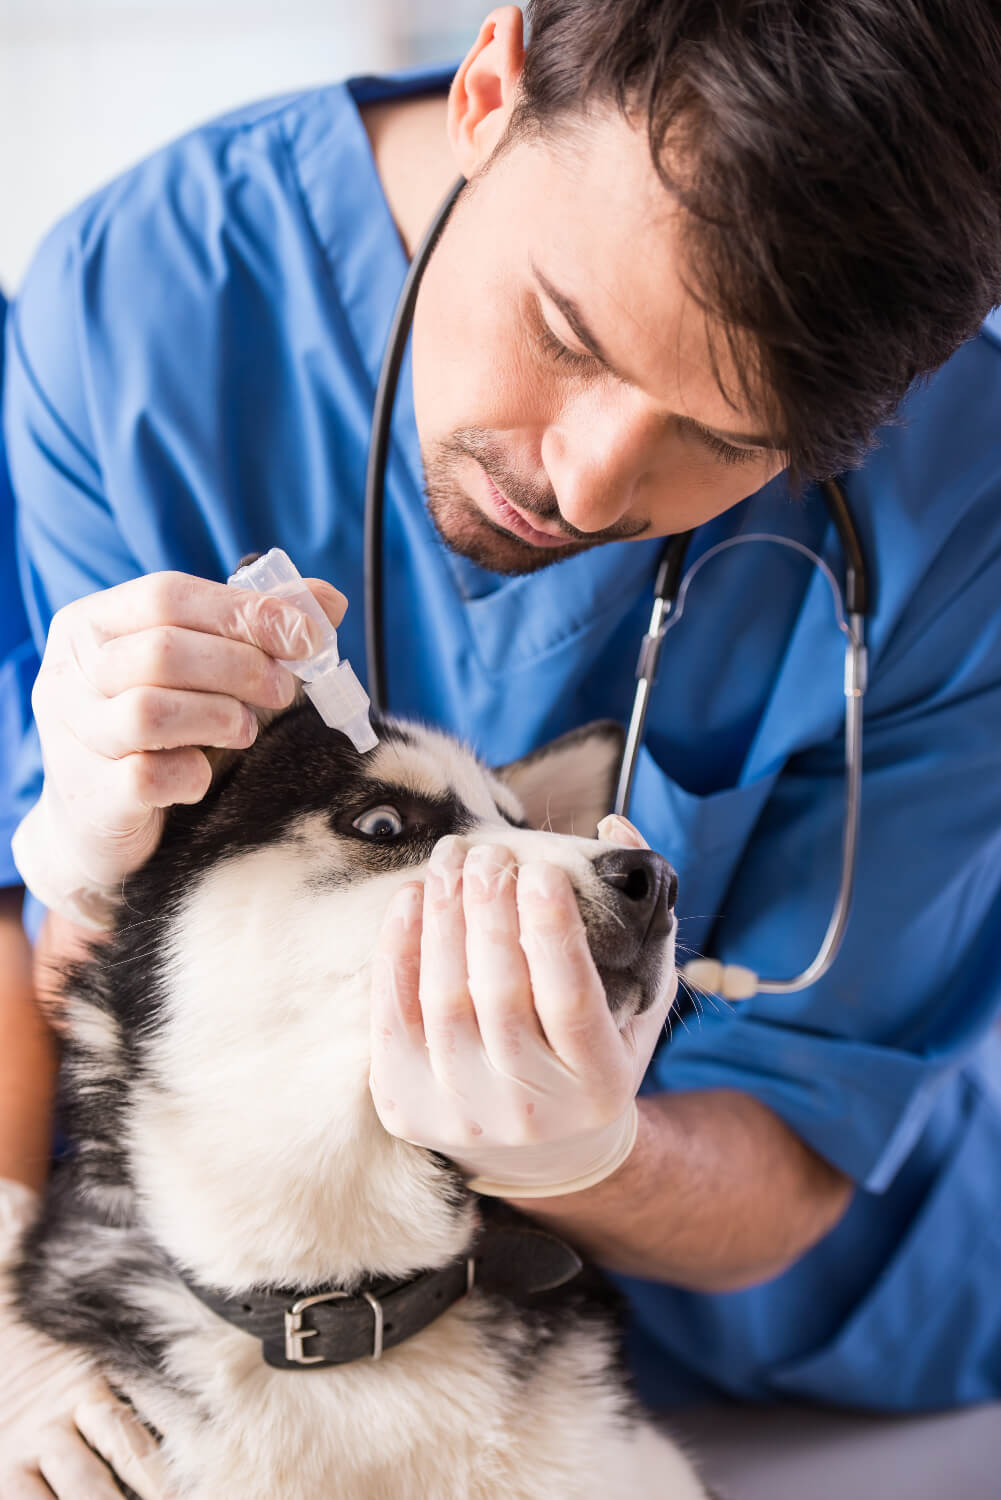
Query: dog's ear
[[569, 785]]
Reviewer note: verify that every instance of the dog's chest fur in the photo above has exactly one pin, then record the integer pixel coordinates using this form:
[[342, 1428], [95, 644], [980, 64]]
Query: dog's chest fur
[[489, 1401], [216, 1088]]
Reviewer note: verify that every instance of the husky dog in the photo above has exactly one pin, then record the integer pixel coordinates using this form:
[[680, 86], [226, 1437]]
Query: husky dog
[[306, 1307]]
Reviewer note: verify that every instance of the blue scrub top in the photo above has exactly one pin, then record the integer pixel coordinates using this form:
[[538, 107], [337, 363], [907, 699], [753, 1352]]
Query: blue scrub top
[[18, 665], [191, 369]]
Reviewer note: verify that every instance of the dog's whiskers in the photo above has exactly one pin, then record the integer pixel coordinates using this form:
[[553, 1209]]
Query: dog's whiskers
[[693, 996], [606, 910], [696, 991]]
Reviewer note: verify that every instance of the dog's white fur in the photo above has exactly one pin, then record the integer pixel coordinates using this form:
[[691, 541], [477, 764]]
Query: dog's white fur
[[259, 1159]]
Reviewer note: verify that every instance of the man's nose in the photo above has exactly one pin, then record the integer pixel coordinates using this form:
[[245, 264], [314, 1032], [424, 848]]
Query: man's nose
[[601, 459]]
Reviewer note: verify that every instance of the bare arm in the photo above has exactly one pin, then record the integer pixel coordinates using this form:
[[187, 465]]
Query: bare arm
[[28, 1056], [718, 1194]]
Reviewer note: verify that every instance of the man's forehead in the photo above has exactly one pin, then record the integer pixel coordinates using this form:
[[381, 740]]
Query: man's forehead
[[609, 237]]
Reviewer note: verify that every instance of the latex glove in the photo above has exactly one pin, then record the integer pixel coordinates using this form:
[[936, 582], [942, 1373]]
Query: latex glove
[[54, 1409], [133, 682], [492, 1040]]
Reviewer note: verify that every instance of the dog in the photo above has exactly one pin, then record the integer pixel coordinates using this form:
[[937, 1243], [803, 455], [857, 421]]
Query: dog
[[303, 1305]]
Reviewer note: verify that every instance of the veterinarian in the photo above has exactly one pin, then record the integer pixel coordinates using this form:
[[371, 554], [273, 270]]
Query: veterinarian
[[705, 256]]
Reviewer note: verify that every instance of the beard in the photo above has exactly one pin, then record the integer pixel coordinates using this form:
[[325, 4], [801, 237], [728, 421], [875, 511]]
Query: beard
[[464, 529]]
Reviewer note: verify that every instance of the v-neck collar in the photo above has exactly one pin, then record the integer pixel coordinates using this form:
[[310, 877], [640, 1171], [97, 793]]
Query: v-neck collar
[[343, 195]]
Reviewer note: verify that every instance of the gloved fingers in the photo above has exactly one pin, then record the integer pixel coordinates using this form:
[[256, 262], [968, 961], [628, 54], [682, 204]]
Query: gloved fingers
[[499, 980], [398, 974], [70, 1469], [615, 829], [120, 801], [169, 656], [569, 996], [155, 718], [157, 779], [122, 1440], [450, 1025], [25, 1484], [397, 1024], [277, 627], [19, 1206], [333, 603], [643, 1033], [114, 786]]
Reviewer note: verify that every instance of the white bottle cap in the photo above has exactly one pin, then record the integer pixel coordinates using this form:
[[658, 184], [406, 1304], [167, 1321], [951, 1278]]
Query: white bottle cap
[[331, 685], [343, 703]]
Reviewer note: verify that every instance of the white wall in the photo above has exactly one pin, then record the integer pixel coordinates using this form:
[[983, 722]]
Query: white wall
[[89, 86]]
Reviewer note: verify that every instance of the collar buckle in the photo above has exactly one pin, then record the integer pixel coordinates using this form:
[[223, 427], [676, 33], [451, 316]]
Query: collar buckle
[[295, 1334]]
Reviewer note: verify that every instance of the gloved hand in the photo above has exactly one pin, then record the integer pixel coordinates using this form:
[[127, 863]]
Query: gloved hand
[[492, 1040], [55, 1410], [133, 681]]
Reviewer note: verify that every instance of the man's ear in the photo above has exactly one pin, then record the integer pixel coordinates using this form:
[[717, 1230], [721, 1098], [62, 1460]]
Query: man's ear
[[568, 785], [483, 91]]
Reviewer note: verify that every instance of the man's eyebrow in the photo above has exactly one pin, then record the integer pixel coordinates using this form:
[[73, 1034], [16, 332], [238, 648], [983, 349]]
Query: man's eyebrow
[[571, 311]]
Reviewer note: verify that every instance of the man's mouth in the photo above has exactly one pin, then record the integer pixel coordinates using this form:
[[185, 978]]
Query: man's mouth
[[499, 509]]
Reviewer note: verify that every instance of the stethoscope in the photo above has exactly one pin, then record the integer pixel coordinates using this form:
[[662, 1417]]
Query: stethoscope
[[730, 981]]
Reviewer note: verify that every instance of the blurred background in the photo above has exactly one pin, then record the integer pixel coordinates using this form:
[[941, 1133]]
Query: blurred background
[[89, 86]]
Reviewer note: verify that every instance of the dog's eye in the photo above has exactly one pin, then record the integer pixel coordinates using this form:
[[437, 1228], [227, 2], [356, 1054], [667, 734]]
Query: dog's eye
[[379, 823]]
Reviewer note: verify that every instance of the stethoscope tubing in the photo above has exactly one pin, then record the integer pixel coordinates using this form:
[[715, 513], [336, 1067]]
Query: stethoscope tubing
[[378, 453], [670, 594]]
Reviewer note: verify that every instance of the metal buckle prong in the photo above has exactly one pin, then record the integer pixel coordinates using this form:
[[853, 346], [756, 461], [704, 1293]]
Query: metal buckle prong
[[295, 1333]]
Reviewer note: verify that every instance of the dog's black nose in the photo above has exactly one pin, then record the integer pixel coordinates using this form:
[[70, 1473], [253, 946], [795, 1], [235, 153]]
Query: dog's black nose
[[642, 877]]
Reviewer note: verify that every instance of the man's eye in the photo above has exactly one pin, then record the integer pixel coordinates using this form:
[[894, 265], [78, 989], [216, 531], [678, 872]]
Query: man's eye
[[729, 453], [556, 348], [379, 823]]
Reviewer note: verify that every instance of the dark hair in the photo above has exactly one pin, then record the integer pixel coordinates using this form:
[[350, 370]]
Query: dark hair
[[840, 165]]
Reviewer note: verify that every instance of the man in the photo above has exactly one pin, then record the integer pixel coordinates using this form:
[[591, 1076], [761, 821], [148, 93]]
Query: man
[[704, 250]]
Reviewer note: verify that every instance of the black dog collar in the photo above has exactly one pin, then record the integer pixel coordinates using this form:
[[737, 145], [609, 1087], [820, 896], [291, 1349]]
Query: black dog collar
[[324, 1326]]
